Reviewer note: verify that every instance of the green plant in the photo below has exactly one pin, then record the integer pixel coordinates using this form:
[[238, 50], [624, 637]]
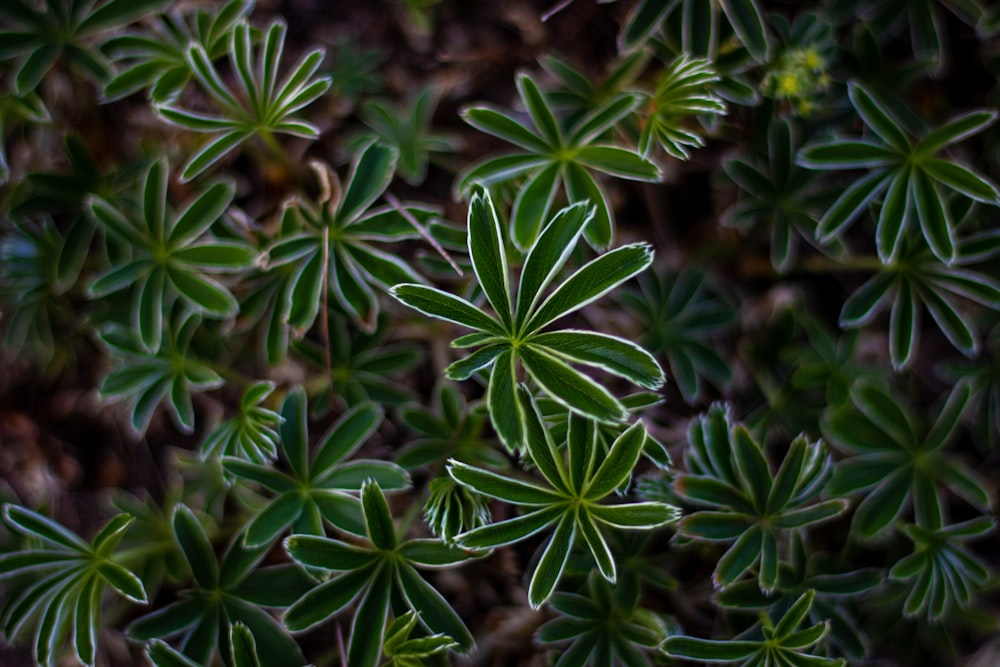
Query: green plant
[[599, 630], [170, 372], [226, 591], [262, 107], [569, 501], [683, 90], [385, 578], [408, 129], [317, 487], [73, 575], [156, 59], [755, 509], [681, 316], [172, 255], [897, 464], [512, 338], [329, 243], [425, 420], [909, 174], [776, 193], [62, 28], [552, 155], [781, 642]]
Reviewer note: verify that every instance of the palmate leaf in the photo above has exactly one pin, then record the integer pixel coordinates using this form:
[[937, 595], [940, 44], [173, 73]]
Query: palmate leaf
[[700, 25], [581, 94], [684, 90], [155, 59], [569, 501], [145, 379], [750, 506], [915, 282], [173, 255], [225, 591], [513, 337], [382, 578], [267, 107], [896, 462], [833, 592], [408, 129], [38, 37], [598, 627], [449, 427], [781, 643], [552, 157], [683, 318], [320, 487], [38, 266], [75, 574], [332, 245], [777, 193], [943, 572], [252, 434], [906, 173]]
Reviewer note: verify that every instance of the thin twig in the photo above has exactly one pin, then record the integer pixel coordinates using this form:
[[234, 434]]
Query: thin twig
[[324, 321], [340, 647], [555, 9], [395, 203]]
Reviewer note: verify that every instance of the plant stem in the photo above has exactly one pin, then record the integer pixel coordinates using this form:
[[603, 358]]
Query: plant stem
[[821, 264], [324, 320]]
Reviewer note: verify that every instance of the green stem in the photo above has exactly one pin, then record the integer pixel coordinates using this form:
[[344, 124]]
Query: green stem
[[228, 373], [821, 264], [139, 553]]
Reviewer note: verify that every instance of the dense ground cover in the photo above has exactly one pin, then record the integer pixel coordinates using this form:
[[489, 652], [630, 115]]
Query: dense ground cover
[[498, 333]]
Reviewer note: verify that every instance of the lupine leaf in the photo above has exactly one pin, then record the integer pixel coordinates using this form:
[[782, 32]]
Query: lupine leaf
[[552, 562]]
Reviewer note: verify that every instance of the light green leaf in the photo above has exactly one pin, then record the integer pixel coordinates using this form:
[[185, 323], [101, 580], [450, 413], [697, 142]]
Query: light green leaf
[[538, 109], [961, 179], [327, 599], [957, 129], [610, 353], [747, 20], [548, 255], [510, 531], [195, 547], [581, 186], [435, 612], [370, 175], [500, 124], [935, 221]]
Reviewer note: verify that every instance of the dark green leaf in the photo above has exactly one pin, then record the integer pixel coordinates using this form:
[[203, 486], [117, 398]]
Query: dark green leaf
[[444, 306], [489, 257], [570, 387], [500, 486], [609, 353], [591, 281], [195, 547], [878, 118], [552, 562], [619, 462]]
